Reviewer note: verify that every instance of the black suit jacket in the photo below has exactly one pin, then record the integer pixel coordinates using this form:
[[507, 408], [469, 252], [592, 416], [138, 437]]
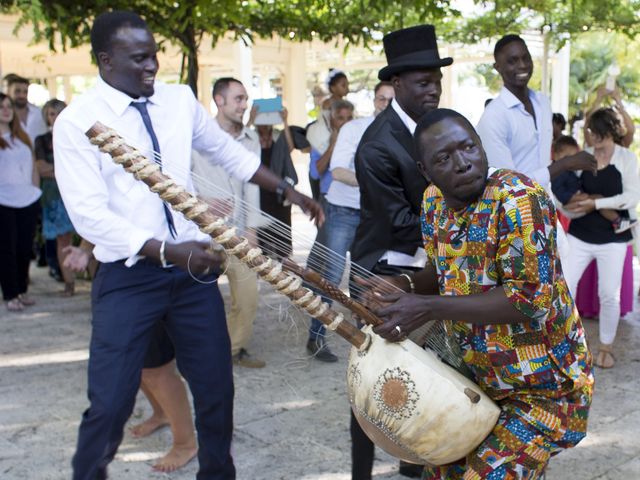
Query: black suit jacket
[[391, 189]]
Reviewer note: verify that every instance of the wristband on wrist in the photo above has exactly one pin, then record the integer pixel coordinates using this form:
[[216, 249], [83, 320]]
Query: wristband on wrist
[[282, 187], [163, 259], [412, 286]]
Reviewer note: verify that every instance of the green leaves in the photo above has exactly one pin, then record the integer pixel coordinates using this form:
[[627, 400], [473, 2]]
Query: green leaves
[[184, 22]]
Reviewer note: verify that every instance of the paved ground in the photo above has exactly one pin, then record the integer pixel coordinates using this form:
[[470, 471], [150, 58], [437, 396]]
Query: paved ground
[[291, 418]]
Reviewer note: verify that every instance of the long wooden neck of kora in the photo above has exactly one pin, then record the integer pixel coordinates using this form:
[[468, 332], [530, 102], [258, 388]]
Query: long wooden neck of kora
[[202, 215]]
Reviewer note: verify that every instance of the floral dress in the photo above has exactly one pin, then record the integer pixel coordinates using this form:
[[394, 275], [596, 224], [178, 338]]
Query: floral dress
[[538, 371]]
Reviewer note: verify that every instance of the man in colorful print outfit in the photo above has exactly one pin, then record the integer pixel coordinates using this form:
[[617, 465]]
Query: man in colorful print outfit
[[494, 276]]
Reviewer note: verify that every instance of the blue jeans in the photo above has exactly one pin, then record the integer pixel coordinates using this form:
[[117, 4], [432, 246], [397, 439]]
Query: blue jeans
[[339, 232]]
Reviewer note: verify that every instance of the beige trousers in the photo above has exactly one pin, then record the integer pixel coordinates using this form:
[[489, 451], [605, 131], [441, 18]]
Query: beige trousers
[[243, 283]]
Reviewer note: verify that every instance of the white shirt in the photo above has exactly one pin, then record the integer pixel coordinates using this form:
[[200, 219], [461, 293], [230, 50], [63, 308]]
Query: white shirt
[[16, 175], [35, 125], [107, 205], [343, 156], [212, 181], [513, 140], [399, 259], [404, 116], [319, 132]]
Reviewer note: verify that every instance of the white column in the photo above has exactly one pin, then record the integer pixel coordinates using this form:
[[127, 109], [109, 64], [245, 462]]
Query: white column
[[295, 84], [449, 80], [560, 81], [243, 67], [204, 87], [545, 63], [52, 86], [243, 63], [68, 91]]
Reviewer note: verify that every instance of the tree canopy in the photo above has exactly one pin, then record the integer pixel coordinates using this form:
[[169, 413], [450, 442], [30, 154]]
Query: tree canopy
[[561, 19], [184, 23]]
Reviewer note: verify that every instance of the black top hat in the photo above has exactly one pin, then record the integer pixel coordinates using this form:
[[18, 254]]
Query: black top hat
[[413, 48]]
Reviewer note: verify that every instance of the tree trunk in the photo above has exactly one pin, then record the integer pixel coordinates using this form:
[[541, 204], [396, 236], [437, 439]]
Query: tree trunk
[[190, 43], [192, 70]]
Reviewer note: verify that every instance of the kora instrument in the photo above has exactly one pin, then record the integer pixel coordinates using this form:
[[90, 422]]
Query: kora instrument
[[407, 401]]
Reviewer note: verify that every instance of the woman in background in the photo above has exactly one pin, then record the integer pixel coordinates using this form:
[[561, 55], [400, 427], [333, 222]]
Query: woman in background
[[56, 224], [616, 186], [19, 194]]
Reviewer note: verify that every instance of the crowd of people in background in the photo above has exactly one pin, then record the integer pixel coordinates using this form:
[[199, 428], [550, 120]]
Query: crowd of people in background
[[362, 173]]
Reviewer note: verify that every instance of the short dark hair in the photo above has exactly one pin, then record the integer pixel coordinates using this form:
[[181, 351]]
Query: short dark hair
[[107, 24], [506, 40], [604, 122], [559, 119], [431, 118], [564, 141], [222, 84], [12, 79], [334, 76], [381, 84]]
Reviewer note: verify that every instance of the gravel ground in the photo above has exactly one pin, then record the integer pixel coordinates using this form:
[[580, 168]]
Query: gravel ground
[[291, 418]]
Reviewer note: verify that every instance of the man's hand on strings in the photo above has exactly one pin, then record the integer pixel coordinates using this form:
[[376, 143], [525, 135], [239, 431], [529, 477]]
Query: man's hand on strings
[[307, 204], [373, 289], [195, 257], [402, 314]]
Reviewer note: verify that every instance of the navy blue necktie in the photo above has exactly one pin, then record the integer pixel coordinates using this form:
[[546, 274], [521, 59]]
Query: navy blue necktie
[[146, 119]]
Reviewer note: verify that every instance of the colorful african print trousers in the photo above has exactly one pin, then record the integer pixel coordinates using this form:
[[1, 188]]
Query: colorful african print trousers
[[529, 431]]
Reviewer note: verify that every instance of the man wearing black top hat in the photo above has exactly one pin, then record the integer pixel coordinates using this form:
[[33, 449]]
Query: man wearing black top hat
[[388, 239]]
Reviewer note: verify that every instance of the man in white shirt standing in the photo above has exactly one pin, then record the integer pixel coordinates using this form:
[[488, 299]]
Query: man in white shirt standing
[[231, 100], [156, 267], [30, 116], [342, 204], [516, 127]]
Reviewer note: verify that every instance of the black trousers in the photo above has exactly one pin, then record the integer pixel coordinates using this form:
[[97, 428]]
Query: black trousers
[[362, 449], [16, 245], [127, 306]]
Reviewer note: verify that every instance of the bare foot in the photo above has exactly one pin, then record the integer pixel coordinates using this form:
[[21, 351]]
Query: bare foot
[[69, 290], [176, 458], [150, 425]]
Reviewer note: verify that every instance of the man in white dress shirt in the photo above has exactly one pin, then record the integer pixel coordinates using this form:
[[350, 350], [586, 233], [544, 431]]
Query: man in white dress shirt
[[150, 258], [516, 128], [30, 116]]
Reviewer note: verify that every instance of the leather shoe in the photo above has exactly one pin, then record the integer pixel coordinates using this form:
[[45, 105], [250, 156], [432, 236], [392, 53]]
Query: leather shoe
[[320, 351], [243, 359], [410, 470]]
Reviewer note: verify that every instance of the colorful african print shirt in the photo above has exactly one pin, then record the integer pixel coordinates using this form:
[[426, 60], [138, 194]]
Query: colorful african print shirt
[[507, 239]]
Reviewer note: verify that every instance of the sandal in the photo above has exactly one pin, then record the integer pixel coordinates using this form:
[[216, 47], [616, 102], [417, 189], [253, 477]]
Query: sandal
[[26, 300], [604, 358], [15, 305]]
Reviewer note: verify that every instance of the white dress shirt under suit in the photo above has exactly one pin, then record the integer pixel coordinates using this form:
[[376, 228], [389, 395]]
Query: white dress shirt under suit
[[392, 257], [107, 205]]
